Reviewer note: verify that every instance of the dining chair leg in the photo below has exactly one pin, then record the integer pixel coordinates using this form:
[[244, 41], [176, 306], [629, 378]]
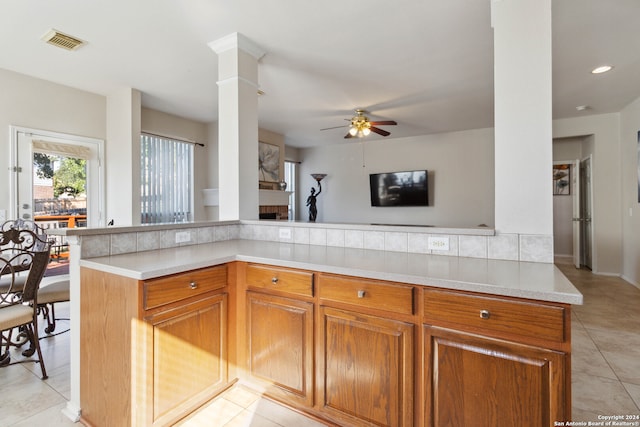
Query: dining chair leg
[[5, 357], [32, 331]]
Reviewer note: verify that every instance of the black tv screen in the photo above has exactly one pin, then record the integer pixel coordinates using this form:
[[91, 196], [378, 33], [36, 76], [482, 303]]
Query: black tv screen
[[399, 188]]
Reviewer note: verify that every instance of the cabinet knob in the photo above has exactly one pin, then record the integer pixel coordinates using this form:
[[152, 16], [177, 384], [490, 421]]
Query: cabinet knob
[[193, 285], [274, 280], [485, 314], [361, 294]]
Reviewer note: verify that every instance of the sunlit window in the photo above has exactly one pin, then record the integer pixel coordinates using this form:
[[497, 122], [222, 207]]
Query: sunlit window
[[290, 179], [166, 182]]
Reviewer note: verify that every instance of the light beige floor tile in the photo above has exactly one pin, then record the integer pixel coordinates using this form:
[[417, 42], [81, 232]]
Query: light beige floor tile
[[50, 417], [617, 341], [634, 392], [59, 380], [579, 415], [621, 349], [625, 366], [282, 415], [600, 395], [250, 419], [217, 413], [586, 358], [31, 397], [241, 396]]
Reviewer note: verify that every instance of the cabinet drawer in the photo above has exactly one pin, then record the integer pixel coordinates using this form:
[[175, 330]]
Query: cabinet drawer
[[528, 319], [280, 279], [367, 293], [169, 289]]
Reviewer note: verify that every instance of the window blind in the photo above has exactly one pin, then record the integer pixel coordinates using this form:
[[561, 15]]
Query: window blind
[[166, 182]]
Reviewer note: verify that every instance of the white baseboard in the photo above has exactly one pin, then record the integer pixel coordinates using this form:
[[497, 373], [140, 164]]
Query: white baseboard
[[72, 412], [628, 279]]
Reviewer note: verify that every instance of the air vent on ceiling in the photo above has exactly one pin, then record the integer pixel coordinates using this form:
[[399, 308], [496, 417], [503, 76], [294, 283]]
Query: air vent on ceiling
[[62, 40]]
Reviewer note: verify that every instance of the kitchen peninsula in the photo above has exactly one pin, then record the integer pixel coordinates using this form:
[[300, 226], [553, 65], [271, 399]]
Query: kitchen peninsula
[[454, 336]]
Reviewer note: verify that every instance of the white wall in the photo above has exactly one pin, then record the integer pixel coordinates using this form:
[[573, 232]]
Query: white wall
[[630, 125], [604, 145], [39, 104], [123, 157], [461, 179]]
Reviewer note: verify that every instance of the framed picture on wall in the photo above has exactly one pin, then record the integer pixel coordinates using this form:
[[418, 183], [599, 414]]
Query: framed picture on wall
[[562, 179], [268, 162]]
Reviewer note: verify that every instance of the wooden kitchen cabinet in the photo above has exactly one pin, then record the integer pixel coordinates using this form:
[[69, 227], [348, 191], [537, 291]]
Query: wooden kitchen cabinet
[[159, 347], [279, 322], [365, 362], [189, 356], [496, 362], [347, 350], [280, 346]]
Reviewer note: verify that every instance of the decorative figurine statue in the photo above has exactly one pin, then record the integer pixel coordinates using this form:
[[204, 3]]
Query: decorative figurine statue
[[311, 202]]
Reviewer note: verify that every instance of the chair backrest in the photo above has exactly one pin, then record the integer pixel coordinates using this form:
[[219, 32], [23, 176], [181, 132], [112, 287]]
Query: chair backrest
[[22, 250]]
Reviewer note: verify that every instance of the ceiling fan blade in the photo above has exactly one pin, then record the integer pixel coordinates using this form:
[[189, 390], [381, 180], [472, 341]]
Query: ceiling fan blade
[[335, 127], [384, 122], [379, 131], [348, 135]]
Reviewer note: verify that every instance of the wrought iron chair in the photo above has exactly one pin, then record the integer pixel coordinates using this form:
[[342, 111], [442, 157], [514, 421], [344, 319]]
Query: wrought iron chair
[[53, 291], [24, 255]]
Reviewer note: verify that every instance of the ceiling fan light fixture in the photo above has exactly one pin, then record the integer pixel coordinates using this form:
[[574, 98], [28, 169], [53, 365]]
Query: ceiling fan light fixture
[[366, 131], [353, 131], [601, 69]]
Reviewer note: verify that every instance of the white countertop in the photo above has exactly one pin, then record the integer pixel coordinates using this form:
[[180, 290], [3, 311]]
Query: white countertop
[[539, 281]]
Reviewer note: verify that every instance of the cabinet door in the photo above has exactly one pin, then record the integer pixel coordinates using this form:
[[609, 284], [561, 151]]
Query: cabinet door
[[365, 371], [280, 345], [476, 381], [189, 355]]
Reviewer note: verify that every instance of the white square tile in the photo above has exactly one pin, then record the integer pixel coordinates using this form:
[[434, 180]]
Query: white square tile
[[318, 236], [472, 246], [374, 240], [536, 248], [124, 243], [503, 246], [418, 243], [301, 235], [335, 238], [354, 239], [148, 240], [396, 241]]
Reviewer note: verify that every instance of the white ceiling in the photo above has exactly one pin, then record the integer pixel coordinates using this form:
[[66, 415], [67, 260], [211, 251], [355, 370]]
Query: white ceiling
[[428, 64]]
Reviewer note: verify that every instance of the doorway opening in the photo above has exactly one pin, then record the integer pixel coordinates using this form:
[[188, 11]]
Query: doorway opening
[[572, 207], [57, 182]]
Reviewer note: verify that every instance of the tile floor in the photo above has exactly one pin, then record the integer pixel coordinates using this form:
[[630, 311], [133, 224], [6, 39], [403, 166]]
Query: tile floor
[[606, 369]]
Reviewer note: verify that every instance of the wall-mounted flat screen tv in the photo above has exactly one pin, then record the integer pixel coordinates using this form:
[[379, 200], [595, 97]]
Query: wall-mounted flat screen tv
[[399, 188]]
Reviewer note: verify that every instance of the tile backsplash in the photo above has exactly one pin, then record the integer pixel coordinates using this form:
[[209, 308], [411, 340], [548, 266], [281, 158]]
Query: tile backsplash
[[516, 247]]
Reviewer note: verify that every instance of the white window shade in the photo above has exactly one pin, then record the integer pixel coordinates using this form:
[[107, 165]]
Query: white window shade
[[166, 181], [60, 149]]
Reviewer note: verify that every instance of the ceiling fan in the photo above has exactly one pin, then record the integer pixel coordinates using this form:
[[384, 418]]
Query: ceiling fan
[[361, 126]]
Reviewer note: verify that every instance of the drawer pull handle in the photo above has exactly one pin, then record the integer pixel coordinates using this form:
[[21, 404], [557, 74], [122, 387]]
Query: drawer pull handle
[[274, 280], [485, 314], [193, 285], [361, 294]]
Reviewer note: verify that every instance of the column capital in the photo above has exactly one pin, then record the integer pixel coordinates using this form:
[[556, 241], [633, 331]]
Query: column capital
[[236, 41]]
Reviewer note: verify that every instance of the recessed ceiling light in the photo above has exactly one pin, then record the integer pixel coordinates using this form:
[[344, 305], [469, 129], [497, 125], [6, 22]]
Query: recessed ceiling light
[[601, 69], [582, 107]]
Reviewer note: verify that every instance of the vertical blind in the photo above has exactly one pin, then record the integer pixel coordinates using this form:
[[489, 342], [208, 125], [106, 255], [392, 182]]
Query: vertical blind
[[166, 182]]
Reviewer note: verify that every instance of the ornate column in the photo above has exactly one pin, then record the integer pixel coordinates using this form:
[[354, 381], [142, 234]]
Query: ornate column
[[237, 126]]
